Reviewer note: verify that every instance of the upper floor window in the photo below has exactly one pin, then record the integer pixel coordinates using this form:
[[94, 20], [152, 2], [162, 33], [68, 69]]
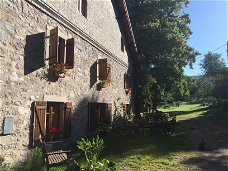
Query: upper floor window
[[82, 7]]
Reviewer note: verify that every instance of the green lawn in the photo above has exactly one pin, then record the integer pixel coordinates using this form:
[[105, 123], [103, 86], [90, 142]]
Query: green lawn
[[156, 152]]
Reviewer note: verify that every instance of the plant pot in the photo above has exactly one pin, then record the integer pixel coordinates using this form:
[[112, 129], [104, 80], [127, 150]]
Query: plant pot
[[60, 75]]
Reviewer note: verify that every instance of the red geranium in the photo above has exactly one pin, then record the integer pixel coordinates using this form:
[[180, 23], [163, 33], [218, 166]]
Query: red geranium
[[55, 133]]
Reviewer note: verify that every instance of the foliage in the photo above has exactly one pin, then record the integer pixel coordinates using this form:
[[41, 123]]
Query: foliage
[[215, 72], [91, 151], [34, 161], [161, 32], [60, 67], [212, 64]]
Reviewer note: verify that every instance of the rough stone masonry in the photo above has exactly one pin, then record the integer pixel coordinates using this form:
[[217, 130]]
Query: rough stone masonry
[[24, 70]]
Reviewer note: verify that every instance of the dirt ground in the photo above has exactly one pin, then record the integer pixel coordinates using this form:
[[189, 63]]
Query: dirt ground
[[215, 155]]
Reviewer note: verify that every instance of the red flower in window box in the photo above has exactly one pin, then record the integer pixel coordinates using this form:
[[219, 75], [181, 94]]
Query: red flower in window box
[[55, 133], [60, 69]]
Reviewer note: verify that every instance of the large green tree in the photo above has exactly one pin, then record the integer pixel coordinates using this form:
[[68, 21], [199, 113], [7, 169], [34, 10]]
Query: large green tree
[[161, 32], [216, 74], [212, 64]]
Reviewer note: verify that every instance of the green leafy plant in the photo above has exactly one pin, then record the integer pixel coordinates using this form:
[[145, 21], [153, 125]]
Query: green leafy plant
[[92, 149]]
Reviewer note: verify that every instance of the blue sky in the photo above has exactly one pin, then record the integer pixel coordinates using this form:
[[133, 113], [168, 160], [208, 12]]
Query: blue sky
[[209, 23]]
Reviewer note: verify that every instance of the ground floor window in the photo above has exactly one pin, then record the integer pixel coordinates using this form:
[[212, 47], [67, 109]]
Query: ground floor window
[[52, 120], [99, 113]]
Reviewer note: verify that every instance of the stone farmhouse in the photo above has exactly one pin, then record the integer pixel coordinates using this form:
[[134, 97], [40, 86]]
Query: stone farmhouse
[[64, 63]]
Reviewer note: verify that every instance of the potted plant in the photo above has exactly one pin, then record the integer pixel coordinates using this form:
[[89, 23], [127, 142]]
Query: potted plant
[[60, 69], [55, 134], [102, 84]]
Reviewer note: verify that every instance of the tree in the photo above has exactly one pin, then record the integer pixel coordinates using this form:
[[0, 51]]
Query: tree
[[212, 64], [161, 32], [215, 72]]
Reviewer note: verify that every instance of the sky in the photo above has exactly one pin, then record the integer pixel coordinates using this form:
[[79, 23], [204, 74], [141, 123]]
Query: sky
[[209, 24]]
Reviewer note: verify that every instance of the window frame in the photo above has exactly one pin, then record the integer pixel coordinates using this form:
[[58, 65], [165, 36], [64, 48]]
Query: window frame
[[43, 119]]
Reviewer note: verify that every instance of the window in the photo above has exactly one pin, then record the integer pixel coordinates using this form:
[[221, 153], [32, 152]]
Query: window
[[61, 50], [99, 113], [104, 70], [82, 7], [51, 115], [122, 44]]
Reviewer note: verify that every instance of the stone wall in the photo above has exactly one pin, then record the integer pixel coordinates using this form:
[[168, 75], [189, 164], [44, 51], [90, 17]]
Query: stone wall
[[25, 76], [101, 22]]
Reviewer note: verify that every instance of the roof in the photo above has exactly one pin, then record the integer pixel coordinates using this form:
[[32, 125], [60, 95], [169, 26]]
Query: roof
[[127, 27]]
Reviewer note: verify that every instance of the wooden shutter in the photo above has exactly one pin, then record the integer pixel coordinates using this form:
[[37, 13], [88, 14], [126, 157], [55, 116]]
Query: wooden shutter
[[70, 52], [109, 112], [53, 51], [39, 125], [61, 50], [93, 116], [67, 119], [109, 73], [102, 69], [127, 81]]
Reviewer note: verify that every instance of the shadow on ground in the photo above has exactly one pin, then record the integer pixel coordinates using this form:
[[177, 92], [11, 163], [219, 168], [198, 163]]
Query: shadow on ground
[[210, 162]]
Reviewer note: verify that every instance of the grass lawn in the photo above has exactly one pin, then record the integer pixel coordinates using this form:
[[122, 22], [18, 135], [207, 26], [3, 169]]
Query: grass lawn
[[158, 152]]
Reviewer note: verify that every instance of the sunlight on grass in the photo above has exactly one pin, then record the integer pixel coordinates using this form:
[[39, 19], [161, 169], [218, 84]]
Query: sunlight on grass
[[187, 111]]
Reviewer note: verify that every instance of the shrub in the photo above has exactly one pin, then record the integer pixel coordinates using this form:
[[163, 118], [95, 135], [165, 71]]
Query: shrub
[[92, 149]]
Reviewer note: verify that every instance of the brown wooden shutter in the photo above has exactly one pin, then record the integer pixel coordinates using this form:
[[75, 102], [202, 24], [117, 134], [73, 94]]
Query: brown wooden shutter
[[109, 112], [102, 69], [70, 52], [67, 119], [39, 125], [92, 116], [127, 81], [109, 73], [53, 49], [61, 50]]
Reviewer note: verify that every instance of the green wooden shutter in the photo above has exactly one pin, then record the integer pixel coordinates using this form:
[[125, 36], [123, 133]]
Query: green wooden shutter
[[67, 119], [53, 49], [70, 52], [102, 69], [39, 124]]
